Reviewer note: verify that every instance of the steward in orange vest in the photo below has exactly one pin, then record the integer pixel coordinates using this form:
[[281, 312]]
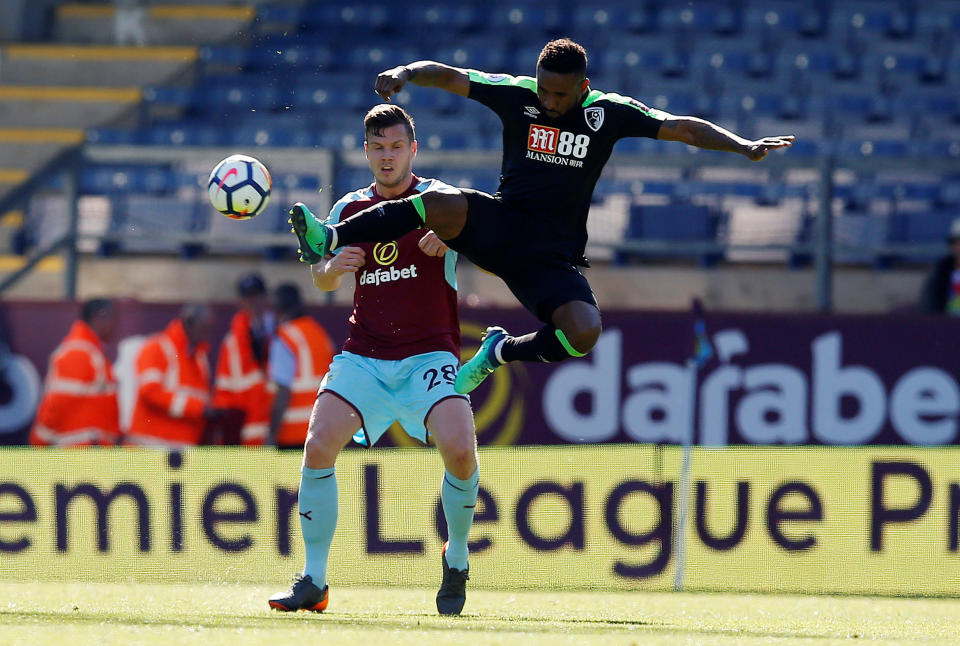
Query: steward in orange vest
[[299, 357], [241, 378], [173, 383], [79, 405]]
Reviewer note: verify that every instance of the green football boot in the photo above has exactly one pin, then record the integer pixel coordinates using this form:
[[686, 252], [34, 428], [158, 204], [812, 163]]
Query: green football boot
[[483, 363], [313, 235]]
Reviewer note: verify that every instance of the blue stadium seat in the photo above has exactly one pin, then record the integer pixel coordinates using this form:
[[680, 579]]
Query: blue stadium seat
[[683, 17], [338, 140], [350, 179], [296, 57], [440, 21], [118, 178], [345, 19], [482, 179], [418, 99], [224, 56], [272, 17], [527, 21], [728, 21], [924, 227], [645, 146], [241, 96], [169, 96], [846, 66], [772, 20], [676, 222], [113, 136], [624, 64], [812, 22], [474, 55]]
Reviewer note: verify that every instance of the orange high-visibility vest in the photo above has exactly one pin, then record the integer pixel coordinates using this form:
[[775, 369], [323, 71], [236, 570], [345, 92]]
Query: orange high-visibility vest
[[79, 405], [313, 350], [241, 382], [173, 389]]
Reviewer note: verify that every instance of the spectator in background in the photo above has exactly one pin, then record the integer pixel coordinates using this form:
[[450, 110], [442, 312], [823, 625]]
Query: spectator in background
[[241, 377], [941, 290], [173, 383], [128, 18], [299, 357], [79, 406]]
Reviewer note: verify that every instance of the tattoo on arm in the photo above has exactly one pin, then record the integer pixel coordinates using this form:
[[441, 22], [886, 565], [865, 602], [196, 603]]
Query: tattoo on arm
[[704, 134]]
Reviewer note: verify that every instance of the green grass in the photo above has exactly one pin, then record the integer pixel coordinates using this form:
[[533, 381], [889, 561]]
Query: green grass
[[38, 614]]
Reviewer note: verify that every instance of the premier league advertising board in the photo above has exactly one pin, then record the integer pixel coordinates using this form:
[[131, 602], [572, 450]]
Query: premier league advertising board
[[772, 379], [842, 520]]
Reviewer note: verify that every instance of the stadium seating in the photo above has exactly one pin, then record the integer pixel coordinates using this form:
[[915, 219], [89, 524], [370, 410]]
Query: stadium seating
[[673, 223], [862, 80]]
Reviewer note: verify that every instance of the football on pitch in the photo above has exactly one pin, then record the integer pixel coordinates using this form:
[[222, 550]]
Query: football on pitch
[[239, 187]]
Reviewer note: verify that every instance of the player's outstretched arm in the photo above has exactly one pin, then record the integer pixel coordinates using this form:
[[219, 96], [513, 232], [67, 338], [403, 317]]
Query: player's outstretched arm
[[423, 73], [328, 273], [704, 134]]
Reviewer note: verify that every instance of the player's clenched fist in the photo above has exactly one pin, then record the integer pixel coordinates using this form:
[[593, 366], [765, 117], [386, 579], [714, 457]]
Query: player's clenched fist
[[391, 81], [347, 260], [432, 245]]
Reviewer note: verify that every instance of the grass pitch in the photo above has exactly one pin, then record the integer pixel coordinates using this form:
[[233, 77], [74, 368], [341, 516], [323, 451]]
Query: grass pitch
[[39, 614]]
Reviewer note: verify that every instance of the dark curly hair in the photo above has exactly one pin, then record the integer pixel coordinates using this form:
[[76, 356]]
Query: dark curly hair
[[563, 56], [385, 115]]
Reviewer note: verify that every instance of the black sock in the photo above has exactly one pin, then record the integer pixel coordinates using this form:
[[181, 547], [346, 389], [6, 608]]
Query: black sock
[[384, 222], [542, 346]]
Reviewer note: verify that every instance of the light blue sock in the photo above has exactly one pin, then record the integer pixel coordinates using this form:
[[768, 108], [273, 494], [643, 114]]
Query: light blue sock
[[318, 519], [459, 498]]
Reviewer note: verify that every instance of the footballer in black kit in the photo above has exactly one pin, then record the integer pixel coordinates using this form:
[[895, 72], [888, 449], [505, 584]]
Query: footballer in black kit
[[550, 168], [558, 133]]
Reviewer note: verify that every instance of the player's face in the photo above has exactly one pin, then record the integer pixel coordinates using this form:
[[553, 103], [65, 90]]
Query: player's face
[[558, 93], [390, 155]]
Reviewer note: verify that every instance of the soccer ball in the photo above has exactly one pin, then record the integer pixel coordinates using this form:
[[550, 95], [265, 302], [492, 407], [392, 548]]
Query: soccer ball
[[239, 187]]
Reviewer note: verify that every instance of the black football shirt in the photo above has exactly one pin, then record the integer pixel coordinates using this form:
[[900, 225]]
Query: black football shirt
[[551, 166]]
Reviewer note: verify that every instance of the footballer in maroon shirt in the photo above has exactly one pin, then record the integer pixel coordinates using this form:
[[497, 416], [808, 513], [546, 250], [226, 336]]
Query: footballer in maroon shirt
[[398, 364]]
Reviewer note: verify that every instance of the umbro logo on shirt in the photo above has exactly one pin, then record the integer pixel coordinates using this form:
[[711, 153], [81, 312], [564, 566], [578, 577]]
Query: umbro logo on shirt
[[531, 111]]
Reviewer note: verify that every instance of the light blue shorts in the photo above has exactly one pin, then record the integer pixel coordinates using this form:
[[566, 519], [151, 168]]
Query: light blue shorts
[[384, 391]]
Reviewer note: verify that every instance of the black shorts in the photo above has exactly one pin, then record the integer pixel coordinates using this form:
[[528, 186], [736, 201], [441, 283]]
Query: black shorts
[[540, 279]]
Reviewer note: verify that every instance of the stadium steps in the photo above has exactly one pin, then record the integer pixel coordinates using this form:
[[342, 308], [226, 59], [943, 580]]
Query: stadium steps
[[33, 147], [96, 66], [50, 93], [10, 225], [168, 24], [10, 177], [44, 281], [65, 107], [40, 122]]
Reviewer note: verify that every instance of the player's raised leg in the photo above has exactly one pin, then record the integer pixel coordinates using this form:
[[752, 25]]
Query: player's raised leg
[[444, 212], [450, 423], [332, 424], [575, 330]]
